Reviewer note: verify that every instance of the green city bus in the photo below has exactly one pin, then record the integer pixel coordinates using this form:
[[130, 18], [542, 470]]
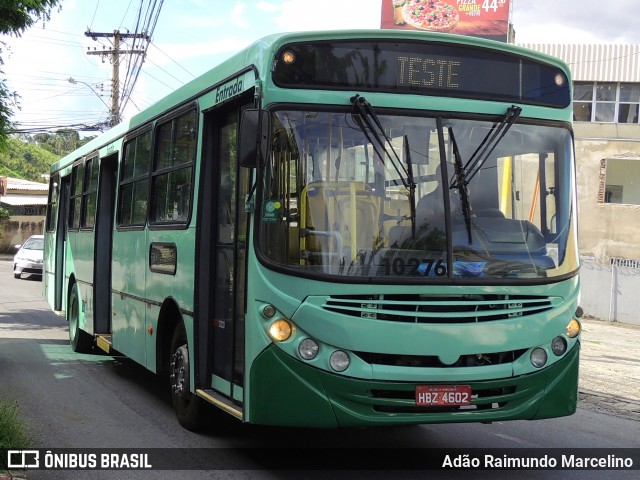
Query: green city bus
[[332, 229]]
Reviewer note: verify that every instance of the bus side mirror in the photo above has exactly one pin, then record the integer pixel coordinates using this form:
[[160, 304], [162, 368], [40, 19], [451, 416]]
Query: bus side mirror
[[254, 131]]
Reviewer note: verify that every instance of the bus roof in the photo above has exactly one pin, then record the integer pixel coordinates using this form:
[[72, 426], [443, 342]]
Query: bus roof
[[259, 56]]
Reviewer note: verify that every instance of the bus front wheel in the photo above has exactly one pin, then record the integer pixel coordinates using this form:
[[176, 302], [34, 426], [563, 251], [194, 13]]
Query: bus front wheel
[[188, 406], [79, 340]]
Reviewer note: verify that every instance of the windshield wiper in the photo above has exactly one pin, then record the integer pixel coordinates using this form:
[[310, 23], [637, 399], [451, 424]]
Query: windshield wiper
[[464, 174], [412, 185], [369, 123], [487, 146], [461, 185]]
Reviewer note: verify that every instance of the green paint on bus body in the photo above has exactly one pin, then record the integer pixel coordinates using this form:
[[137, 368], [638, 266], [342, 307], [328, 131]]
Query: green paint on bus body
[[279, 387], [285, 391]]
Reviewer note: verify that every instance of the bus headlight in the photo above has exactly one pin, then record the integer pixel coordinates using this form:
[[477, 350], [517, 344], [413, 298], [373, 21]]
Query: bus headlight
[[280, 330], [308, 349], [538, 357], [339, 361], [558, 346]]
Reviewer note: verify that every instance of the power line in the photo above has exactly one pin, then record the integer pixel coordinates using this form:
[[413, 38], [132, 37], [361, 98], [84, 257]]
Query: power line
[[166, 55], [165, 71], [135, 55], [114, 54], [133, 68], [47, 85], [94, 14]]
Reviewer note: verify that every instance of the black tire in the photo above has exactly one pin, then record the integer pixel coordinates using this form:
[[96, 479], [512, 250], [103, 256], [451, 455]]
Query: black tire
[[80, 341], [16, 275], [189, 407]]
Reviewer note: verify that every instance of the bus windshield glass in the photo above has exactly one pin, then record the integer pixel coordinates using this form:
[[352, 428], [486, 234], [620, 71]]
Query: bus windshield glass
[[360, 194]]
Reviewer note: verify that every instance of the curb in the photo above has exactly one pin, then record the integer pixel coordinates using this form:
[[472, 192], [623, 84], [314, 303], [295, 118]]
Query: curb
[[13, 476]]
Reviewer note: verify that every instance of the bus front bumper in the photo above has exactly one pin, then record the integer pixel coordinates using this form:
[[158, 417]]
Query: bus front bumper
[[285, 391]]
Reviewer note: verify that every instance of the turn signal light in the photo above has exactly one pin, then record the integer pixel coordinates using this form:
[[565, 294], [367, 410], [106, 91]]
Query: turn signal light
[[573, 329]]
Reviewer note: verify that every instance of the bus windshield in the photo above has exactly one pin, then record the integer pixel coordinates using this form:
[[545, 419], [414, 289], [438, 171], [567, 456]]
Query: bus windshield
[[360, 194]]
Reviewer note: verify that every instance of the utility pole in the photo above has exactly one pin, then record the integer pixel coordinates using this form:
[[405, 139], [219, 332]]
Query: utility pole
[[115, 52]]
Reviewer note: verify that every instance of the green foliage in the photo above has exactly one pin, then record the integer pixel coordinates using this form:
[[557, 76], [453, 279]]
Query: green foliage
[[60, 143], [13, 432], [25, 160], [29, 156], [18, 15], [5, 110], [15, 17]]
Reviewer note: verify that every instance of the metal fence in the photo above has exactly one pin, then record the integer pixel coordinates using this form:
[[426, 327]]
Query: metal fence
[[610, 289]]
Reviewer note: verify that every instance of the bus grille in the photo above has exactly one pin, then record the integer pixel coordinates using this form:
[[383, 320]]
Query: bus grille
[[438, 309], [432, 361]]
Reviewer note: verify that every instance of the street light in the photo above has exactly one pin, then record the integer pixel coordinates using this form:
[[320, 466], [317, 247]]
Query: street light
[[74, 81]]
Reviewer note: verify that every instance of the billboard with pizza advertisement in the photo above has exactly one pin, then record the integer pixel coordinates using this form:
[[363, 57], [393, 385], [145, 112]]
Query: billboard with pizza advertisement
[[477, 18]]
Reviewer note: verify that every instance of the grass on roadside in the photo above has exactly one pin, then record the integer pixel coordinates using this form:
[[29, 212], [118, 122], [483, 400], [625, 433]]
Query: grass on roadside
[[13, 432]]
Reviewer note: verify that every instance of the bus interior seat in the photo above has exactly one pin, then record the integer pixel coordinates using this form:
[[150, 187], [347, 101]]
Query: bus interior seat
[[327, 209]]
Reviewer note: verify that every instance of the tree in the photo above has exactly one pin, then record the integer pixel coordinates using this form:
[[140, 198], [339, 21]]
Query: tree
[[15, 17], [25, 160], [62, 142], [4, 215]]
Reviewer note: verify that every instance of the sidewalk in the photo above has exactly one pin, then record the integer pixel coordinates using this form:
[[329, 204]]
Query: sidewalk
[[610, 368], [13, 476]]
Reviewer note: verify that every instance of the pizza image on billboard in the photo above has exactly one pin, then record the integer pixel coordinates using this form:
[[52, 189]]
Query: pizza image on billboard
[[479, 18], [433, 15]]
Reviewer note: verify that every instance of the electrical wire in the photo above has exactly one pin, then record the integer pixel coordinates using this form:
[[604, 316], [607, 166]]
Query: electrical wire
[[55, 84], [147, 28]]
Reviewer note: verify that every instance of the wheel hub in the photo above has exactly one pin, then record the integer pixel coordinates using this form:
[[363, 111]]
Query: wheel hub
[[179, 374]]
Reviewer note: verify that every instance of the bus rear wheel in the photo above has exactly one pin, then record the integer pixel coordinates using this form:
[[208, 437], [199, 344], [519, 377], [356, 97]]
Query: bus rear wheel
[[188, 406], [79, 340]]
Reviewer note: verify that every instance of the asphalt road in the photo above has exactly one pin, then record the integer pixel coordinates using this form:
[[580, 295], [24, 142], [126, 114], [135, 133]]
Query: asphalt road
[[610, 368], [97, 401]]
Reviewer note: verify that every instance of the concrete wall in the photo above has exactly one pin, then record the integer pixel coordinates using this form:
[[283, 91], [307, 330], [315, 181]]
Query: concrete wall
[[605, 229], [609, 292], [15, 232]]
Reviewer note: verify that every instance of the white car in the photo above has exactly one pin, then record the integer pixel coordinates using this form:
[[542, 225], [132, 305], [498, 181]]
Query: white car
[[29, 257]]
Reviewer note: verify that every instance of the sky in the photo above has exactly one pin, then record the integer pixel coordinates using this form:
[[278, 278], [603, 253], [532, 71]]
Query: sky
[[192, 36]]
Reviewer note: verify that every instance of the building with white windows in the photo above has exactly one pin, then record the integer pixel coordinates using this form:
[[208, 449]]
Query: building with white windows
[[607, 134], [607, 137], [26, 202]]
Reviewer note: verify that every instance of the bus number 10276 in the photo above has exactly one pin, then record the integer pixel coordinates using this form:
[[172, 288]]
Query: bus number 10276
[[414, 266]]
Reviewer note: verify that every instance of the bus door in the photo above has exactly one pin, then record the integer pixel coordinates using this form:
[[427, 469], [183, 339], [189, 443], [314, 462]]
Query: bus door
[[222, 257], [105, 214], [60, 242]]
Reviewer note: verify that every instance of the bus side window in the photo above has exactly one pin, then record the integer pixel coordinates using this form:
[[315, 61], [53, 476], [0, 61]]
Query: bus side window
[[76, 196], [134, 184], [52, 204], [172, 170]]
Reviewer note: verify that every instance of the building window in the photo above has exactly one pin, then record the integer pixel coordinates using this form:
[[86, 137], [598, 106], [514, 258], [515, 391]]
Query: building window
[[629, 101], [619, 180], [606, 102], [28, 210], [582, 102]]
